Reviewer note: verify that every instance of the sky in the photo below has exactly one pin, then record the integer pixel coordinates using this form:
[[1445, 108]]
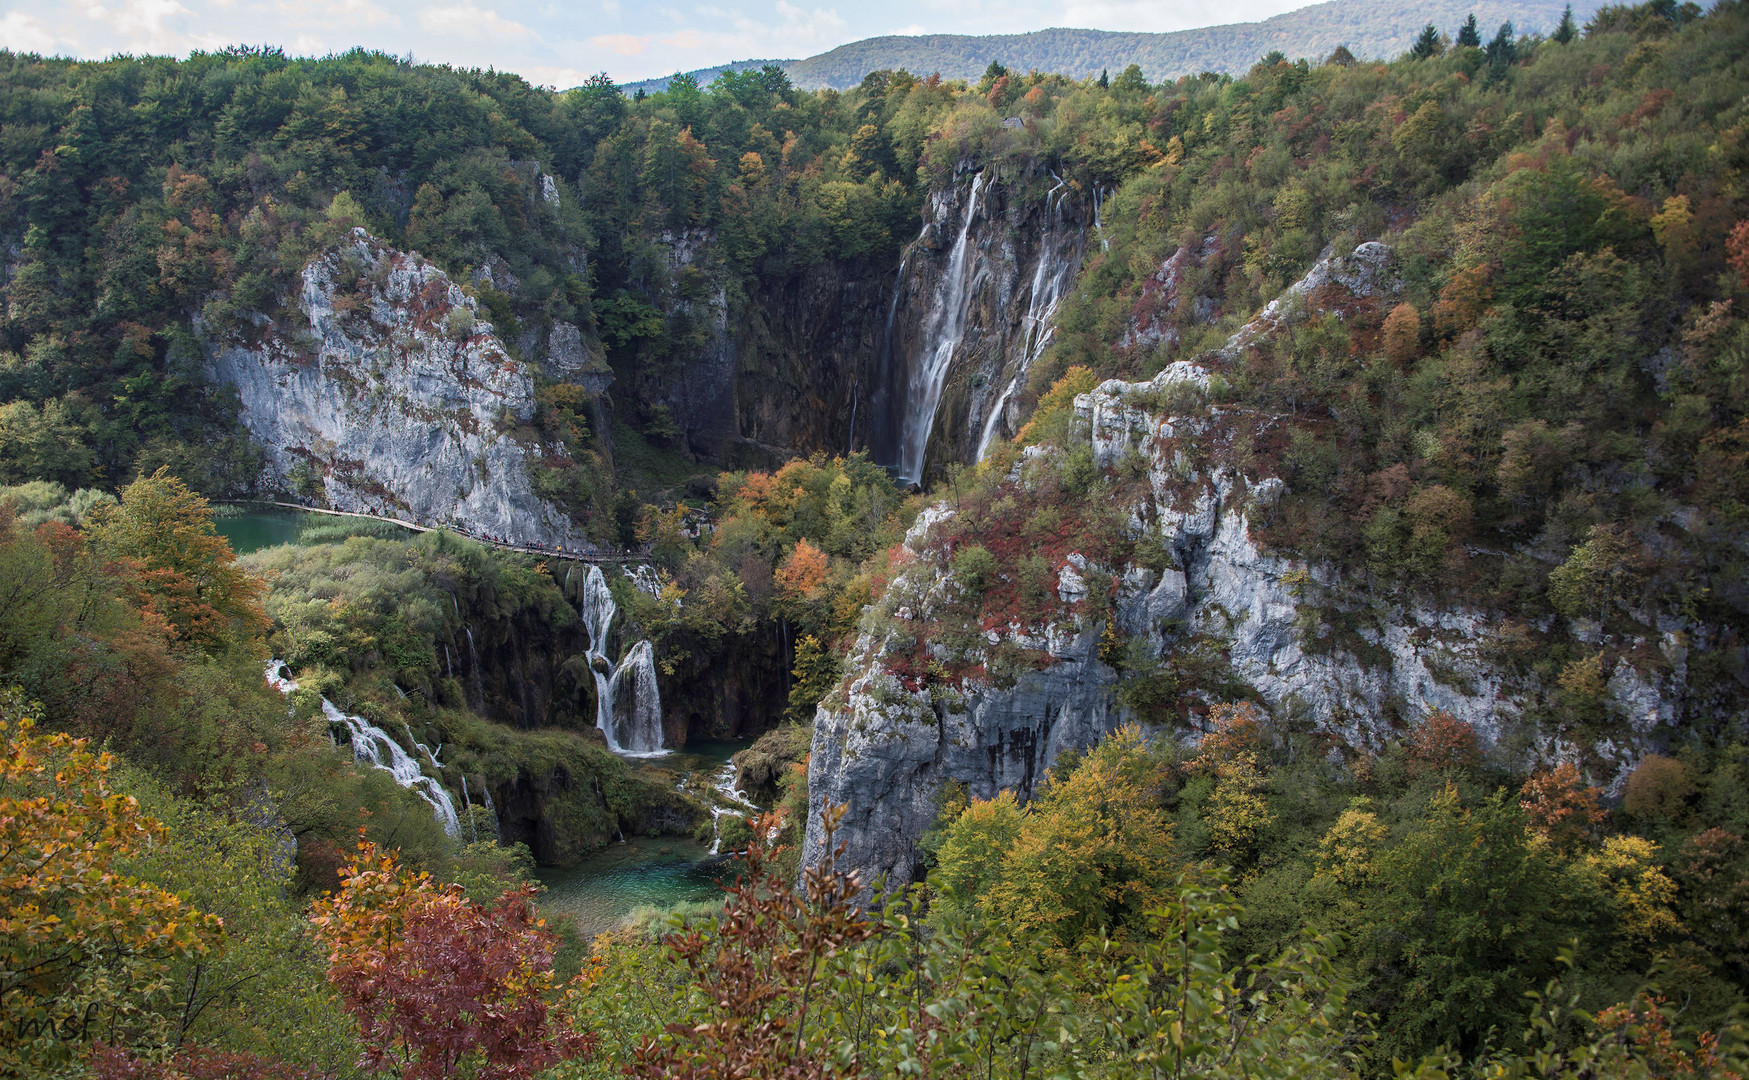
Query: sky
[[561, 44]]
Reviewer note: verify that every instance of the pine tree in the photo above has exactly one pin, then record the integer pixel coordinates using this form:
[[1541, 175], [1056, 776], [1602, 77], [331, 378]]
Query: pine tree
[[1468, 36], [1502, 51], [1428, 44], [1567, 31]]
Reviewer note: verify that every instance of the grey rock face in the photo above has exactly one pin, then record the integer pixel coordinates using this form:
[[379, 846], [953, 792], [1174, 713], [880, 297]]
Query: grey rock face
[[885, 752], [399, 399], [888, 752]]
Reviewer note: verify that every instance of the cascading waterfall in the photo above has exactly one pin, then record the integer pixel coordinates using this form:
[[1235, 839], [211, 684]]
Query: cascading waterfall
[[724, 783], [946, 326], [1055, 271], [373, 745], [628, 705]]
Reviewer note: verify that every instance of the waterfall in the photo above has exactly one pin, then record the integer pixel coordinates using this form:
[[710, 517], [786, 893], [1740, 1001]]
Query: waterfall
[[497, 830], [946, 325], [724, 782], [373, 745], [448, 668], [474, 670], [637, 704], [632, 723], [1057, 263]]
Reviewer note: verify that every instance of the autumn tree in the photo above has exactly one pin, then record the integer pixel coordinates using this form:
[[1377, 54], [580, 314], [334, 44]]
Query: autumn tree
[[759, 967], [801, 574], [1441, 743], [441, 986], [184, 572], [84, 947], [1094, 850], [1402, 333], [1561, 807]]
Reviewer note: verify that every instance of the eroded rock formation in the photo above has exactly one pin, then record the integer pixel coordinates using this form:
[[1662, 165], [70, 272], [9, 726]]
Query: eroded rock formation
[[398, 398]]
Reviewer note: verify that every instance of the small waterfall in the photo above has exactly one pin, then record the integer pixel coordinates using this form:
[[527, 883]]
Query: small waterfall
[[497, 830], [724, 782], [373, 745], [1098, 225], [479, 687], [632, 724], [448, 668], [1058, 260], [942, 333], [637, 704]]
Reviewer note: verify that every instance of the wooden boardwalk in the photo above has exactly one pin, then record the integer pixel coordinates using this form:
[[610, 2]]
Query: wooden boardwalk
[[551, 553]]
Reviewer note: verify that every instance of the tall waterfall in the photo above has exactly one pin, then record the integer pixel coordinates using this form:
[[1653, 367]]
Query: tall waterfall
[[1059, 258], [373, 745], [946, 325], [628, 706]]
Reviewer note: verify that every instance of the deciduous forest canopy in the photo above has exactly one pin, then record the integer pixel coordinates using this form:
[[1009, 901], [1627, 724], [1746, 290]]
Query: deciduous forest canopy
[[1534, 420]]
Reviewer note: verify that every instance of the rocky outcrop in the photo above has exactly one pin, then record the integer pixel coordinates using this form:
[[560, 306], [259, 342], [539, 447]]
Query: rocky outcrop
[[395, 397], [886, 750]]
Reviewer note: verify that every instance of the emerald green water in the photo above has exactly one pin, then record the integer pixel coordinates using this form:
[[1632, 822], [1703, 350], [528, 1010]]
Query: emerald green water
[[599, 892], [259, 529]]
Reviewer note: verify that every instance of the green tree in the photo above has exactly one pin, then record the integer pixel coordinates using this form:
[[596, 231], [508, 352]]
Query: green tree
[[1428, 44], [1468, 37], [1567, 30], [1467, 916]]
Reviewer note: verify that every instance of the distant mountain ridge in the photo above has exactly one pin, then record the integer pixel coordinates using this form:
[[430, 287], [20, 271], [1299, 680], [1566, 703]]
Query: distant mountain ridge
[[1375, 29]]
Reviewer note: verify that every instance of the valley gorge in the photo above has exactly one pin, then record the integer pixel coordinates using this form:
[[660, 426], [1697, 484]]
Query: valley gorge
[[881, 579]]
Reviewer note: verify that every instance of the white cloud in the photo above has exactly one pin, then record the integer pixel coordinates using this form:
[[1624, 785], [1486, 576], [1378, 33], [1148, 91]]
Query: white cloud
[[26, 33], [560, 78], [623, 44], [468, 20], [139, 26], [688, 39]]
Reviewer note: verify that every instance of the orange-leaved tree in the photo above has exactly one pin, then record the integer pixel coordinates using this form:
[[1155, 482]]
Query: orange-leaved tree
[[184, 572], [803, 572], [85, 949], [441, 985]]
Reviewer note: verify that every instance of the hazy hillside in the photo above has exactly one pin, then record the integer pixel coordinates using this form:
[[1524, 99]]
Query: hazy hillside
[[1370, 28]]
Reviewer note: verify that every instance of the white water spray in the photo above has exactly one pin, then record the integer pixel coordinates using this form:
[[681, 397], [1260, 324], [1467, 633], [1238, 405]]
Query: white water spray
[[1057, 262], [372, 745], [628, 705], [946, 326], [724, 784]]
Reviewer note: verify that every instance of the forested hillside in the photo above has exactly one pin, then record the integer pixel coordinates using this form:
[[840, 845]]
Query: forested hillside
[[1313, 645], [1368, 29]]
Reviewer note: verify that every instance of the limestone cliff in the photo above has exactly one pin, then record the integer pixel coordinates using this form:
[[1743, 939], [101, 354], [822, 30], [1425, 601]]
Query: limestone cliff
[[887, 743], [393, 396], [921, 365]]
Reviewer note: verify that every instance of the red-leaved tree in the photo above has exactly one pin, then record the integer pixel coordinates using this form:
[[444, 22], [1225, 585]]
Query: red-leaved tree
[[437, 982], [759, 968]]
